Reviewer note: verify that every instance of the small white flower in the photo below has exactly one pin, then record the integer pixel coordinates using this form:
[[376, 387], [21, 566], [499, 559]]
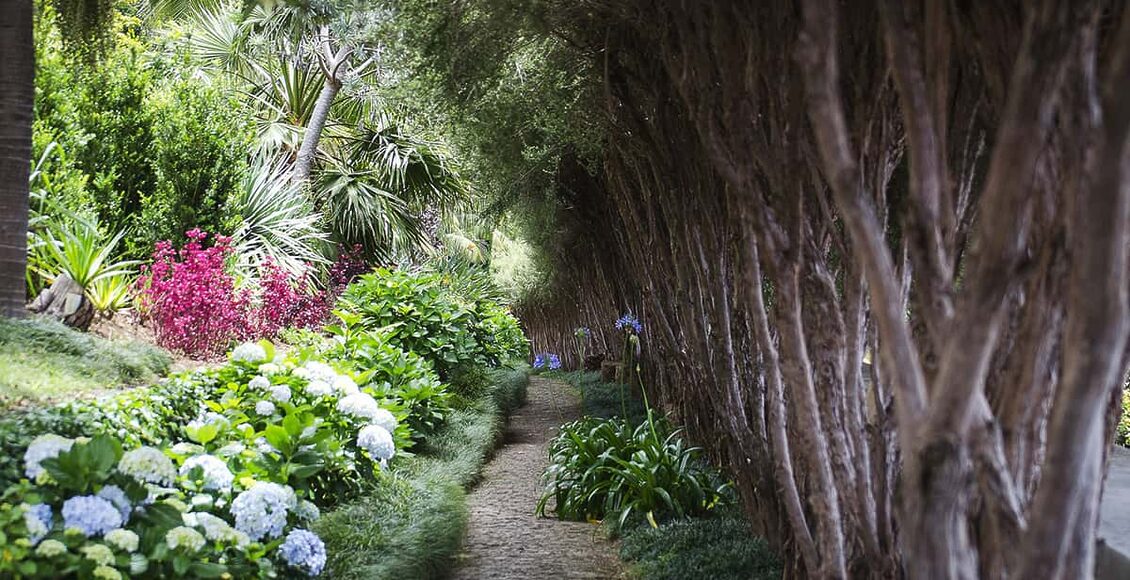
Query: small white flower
[[280, 393], [265, 408], [123, 540], [319, 388], [385, 419], [270, 369], [184, 537], [214, 471], [148, 464], [377, 441], [259, 382], [346, 385], [43, 447], [249, 352], [359, 405]]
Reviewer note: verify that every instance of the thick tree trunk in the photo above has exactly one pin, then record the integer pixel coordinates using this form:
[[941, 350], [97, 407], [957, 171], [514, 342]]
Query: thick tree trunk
[[17, 95]]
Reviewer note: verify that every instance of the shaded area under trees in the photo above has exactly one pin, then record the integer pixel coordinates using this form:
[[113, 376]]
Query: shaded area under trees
[[784, 191]]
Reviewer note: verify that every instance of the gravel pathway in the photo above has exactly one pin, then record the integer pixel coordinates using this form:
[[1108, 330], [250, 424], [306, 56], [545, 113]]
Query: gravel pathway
[[504, 539]]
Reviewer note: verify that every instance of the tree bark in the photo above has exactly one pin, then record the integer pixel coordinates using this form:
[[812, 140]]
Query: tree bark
[[17, 95], [308, 151]]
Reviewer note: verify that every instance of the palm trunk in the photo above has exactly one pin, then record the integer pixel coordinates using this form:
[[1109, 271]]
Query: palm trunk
[[309, 149], [17, 94]]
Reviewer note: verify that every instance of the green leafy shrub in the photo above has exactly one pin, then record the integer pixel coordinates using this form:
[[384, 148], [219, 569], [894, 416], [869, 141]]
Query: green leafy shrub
[[421, 314], [608, 469], [719, 548], [295, 425]]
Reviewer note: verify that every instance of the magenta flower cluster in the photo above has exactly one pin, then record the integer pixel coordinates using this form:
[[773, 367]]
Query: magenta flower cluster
[[191, 299]]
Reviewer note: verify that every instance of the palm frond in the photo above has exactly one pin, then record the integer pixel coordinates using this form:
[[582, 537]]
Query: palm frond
[[278, 222]]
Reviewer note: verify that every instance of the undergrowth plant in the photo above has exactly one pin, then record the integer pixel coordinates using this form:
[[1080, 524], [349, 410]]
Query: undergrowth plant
[[608, 469]]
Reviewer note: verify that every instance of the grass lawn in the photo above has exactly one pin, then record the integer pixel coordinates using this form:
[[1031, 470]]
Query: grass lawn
[[43, 361]]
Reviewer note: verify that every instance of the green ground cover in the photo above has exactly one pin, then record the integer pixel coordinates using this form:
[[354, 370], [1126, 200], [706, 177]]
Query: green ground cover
[[42, 360]]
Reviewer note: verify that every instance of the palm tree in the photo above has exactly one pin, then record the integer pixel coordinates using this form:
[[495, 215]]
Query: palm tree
[[17, 94]]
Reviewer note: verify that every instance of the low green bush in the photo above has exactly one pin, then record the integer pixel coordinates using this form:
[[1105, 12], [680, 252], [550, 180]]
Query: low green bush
[[423, 314], [607, 469], [719, 548], [45, 360]]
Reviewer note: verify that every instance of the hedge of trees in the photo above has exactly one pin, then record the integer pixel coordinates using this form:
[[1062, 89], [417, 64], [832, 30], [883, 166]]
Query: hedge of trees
[[879, 249]]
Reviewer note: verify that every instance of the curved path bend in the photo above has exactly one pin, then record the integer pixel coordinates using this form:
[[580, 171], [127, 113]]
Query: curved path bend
[[504, 539]]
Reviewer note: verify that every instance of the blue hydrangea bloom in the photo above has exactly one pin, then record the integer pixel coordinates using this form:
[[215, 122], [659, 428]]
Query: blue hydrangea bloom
[[261, 510], [304, 551], [629, 323], [116, 496], [37, 518], [92, 515]]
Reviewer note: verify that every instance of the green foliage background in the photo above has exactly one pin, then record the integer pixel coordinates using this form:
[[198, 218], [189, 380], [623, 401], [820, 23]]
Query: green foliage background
[[142, 144]]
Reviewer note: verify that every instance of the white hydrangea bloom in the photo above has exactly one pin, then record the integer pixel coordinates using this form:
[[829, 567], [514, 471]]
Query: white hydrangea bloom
[[319, 388], [346, 385], [280, 393], [386, 419], [261, 510], [271, 369], [43, 447], [300, 372], [184, 537], [123, 540], [377, 441], [259, 382], [265, 408], [359, 405], [320, 370], [249, 352], [216, 474], [216, 529], [148, 464]]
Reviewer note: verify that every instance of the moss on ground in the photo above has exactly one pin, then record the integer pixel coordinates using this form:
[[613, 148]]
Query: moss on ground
[[42, 360]]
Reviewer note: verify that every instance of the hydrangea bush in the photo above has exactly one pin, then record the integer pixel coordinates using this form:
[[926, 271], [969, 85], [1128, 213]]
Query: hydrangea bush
[[232, 491]]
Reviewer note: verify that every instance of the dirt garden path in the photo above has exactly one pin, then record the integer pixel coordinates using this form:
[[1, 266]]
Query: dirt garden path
[[504, 539]]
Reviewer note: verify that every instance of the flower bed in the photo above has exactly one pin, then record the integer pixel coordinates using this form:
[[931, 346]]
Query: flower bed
[[221, 472]]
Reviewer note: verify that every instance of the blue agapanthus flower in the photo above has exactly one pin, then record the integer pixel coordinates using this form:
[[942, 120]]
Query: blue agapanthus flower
[[539, 361], [582, 332], [92, 515], [554, 362], [629, 323], [304, 551]]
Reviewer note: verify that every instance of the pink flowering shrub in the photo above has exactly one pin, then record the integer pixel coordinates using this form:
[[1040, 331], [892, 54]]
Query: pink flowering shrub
[[190, 299], [289, 302]]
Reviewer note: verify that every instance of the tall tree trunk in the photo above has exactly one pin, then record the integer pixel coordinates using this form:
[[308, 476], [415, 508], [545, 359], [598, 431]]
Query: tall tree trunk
[[309, 149], [17, 95]]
